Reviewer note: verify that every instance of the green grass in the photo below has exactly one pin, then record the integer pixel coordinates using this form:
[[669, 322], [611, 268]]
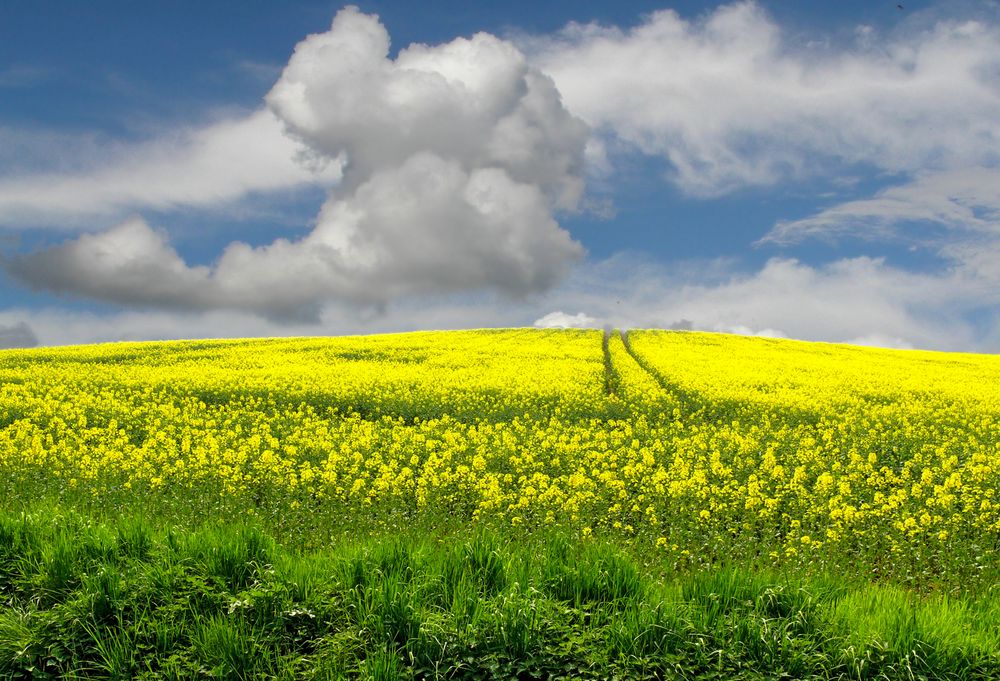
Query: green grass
[[128, 599]]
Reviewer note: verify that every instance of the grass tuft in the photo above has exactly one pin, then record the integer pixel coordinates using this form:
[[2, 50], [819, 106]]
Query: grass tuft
[[129, 601]]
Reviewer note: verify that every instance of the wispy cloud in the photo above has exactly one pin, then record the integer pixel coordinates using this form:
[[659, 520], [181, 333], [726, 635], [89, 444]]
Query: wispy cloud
[[732, 101], [23, 75], [965, 200], [955, 214], [205, 167]]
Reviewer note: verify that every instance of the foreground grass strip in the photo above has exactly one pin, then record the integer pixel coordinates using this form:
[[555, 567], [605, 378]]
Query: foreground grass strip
[[90, 600]]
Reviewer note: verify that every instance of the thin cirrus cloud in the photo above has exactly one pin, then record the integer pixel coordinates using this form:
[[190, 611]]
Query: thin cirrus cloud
[[954, 213], [963, 201], [733, 101], [454, 158]]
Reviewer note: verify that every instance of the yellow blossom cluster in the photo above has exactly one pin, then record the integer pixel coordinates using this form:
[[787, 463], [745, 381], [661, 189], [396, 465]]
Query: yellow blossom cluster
[[703, 444], [873, 450]]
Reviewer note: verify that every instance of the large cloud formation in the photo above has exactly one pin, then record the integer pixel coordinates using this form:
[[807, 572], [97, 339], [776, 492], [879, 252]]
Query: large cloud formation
[[732, 100], [454, 158], [858, 300]]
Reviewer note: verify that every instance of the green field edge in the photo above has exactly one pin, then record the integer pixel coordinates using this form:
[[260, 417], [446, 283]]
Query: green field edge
[[132, 599]]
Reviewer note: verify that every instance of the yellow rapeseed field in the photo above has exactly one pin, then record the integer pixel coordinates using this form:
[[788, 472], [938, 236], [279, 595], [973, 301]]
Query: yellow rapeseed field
[[706, 447]]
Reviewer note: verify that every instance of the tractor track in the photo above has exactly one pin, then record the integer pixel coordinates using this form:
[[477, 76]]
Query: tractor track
[[612, 381], [686, 401]]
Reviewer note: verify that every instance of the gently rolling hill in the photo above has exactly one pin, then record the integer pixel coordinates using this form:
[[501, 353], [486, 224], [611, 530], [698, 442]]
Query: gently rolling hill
[[499, 504]]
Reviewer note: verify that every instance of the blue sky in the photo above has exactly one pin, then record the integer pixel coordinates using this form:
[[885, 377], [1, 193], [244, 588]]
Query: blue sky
[[816, 170]]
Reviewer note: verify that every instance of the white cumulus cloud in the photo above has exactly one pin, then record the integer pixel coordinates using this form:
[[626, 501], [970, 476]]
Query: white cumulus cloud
[[130, 263], [563, 320], [455, 158]]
